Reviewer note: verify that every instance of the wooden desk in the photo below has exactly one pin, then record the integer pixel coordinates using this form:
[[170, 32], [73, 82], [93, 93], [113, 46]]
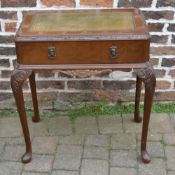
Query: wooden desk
[[83, 39]]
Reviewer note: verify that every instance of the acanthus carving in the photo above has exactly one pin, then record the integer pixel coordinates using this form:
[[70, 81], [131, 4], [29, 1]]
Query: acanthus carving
[[147, 75], [18, 77], [84, 73]]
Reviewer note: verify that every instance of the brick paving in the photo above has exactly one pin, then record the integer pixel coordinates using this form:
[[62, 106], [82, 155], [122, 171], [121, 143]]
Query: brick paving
[[107, 145]]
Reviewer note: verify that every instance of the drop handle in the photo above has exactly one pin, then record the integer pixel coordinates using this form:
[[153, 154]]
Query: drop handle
[[113, 52], [51, 53]]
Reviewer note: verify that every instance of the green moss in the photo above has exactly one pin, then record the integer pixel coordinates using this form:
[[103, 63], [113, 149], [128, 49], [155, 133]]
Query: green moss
[[106, 109], [4, 113], [163, 108], [13, 113], [96, 110], [156, 108]]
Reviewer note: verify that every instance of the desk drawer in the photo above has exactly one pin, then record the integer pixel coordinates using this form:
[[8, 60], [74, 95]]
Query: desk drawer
[[87, 52]]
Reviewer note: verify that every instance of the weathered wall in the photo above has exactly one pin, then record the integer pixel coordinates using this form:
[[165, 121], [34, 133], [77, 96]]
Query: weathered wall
[[64, 91]]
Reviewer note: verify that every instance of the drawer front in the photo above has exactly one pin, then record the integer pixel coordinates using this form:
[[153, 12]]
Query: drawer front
[[94, 52]]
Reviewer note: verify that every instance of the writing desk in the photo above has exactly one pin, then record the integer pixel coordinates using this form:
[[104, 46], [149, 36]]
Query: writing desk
[[83, 39]]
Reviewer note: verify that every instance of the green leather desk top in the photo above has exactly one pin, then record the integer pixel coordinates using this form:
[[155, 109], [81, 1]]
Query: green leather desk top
[[83, 24], [74, 22]]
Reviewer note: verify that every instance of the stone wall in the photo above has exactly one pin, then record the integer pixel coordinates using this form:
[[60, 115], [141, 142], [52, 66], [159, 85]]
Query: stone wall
[[56, 90]]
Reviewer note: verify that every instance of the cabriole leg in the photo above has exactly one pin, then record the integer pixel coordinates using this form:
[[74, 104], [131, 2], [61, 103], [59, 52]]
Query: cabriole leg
[[17, 79], [36, 117], [137, 117], [148, 77]]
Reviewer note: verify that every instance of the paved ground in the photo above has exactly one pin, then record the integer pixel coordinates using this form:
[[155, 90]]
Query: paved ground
[[88, 146]]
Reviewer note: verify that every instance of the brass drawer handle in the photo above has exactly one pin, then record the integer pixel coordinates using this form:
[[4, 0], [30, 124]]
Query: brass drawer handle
[[113, 51], [51, 53]]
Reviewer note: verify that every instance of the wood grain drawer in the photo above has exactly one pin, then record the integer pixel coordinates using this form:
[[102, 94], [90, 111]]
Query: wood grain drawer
[[83, 52]]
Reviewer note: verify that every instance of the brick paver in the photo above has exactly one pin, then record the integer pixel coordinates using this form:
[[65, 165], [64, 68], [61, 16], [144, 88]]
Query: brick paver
[[12, 141], [97, 140], [157, 166], [40, 163], [152, 137], [60, 126], [155, 149], [107, 145], [8, 168], [39, 129], [69, 149], [123, 158], [110, 125], [170, 155], [10, 127], [172, 117], [171, 173], [2, 145], [94, 167], [68, 157], [65, 173], [86, 126], [129, 125], [96, 153], [71, 140], [13, 153], [32, 173], [67, 162], [161, 123], [169, 139], [123, 141], [123, 171], [45, 145]]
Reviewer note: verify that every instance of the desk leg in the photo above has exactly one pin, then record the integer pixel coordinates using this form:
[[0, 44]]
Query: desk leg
[[137, 117], [148, 77], [36, 117], [17, 79]]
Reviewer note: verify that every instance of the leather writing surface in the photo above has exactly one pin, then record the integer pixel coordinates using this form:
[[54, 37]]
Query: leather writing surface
[[84, 22]]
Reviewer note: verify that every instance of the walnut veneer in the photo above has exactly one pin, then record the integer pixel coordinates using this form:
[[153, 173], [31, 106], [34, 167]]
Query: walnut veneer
[[96, 40]]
